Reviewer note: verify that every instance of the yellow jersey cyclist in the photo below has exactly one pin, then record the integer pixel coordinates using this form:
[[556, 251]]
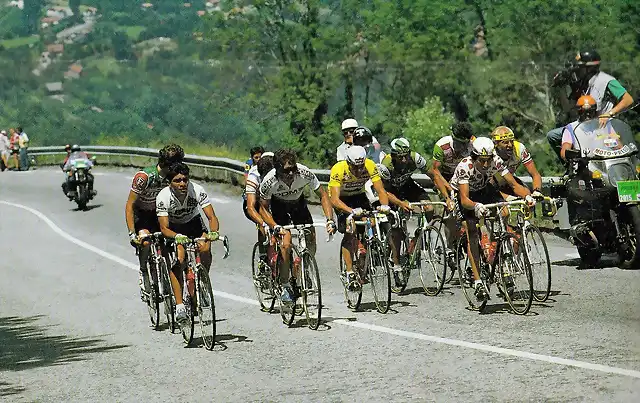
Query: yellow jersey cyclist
[[348, 198], [472, 184], [178, 209], [396, 170], [282, 202], [514, 154], [140, 209]]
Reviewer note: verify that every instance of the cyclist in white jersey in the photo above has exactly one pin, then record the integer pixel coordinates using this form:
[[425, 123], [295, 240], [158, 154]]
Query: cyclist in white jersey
[[282, 203], [178, 208], [252, 192]]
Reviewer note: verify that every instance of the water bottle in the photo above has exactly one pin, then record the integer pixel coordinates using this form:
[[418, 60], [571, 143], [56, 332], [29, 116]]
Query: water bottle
[[582, 185]]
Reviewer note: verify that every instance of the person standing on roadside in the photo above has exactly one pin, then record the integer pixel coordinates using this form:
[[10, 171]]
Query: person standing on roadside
[[23, 143], [15, 147], [5, 148]]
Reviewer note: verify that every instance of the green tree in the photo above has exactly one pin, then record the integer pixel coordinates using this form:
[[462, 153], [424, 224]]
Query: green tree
[[426, 125]]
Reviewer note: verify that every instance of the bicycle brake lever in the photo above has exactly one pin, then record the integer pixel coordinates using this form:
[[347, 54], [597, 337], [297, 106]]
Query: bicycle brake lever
[[225, 244]]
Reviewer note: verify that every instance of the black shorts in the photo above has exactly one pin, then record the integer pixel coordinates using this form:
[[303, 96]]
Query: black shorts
[[291, 212], [489, 194], [355, 201], [505, 188], [145, 219], [246, 212], [193, 229], [410, 191]]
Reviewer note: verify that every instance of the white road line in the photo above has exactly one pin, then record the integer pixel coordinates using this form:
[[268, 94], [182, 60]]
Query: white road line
[[355, 324]]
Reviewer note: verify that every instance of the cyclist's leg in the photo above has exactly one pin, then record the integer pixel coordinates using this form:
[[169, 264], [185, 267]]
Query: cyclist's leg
[[280, 211], [301, 215], [177, 272], [469, 223], [415, 193]]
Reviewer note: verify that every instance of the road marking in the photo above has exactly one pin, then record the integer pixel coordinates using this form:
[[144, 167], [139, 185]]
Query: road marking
[[355, 324]]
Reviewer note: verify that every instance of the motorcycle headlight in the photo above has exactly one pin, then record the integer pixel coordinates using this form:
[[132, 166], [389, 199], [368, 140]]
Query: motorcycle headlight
[[620, 172]]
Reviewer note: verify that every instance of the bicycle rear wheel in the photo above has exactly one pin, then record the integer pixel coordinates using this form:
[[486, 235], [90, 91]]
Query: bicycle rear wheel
[[433, 261], [311, 291], [538, 255], [514, 269], [206, 308], [167, 297], [187, 330], [287, 311], [377, 269], [261, 274], [353, 297], [465, 275], [151, 287]]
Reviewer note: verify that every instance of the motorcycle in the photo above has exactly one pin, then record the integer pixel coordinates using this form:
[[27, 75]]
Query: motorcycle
[[79, 183], [603, 193]]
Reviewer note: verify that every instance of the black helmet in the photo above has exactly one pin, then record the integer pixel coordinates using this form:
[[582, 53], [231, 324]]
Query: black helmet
[[587, 58], [362, 136], [75, 148]]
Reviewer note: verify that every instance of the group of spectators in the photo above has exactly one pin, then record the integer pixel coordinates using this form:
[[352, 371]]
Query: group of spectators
[[13, 149]]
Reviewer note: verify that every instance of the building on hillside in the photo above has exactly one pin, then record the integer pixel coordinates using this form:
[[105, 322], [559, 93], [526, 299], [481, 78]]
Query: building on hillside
[[146, 5], [17, 3], [55, 48], [74, 71]]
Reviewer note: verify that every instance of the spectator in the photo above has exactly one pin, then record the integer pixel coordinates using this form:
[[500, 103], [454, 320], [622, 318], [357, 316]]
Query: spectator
[[5, 150], [15, 147], [23, 143]]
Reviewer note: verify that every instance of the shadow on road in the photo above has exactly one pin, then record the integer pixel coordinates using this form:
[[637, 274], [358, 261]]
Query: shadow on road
[[88, 208], [7, 390], [25, 344], [604, 263]]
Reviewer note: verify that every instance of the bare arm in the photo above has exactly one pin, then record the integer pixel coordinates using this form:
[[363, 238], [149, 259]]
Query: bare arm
[[463, 191], [214, 225], [518, 189], [563, 150], [438, 180], [326, 203], [128, 211], [337, 203], [164, 227], [266, 214], [251, 209], [624, 103], [535, 176], [382, 194]]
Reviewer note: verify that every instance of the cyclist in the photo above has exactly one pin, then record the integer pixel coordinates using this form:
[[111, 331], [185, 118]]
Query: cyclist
[[514, 154], [251, 205], [396, 170], [364, 138], [282, 203], [76, 154], [140, 209], [256, 153], [447, 153], [179, 218], [471, 181], [348, 198]]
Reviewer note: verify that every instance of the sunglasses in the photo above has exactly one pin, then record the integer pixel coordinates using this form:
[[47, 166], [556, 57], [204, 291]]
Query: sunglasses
[[180, 180], [348, 132]]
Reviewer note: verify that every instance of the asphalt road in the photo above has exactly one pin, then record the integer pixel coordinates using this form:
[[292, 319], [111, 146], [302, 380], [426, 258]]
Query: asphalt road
[[73, 328]]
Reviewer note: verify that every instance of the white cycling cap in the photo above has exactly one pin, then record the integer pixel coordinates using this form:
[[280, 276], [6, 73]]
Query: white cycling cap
[[349, 124]]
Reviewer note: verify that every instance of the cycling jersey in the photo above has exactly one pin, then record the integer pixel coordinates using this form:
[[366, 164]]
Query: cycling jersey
[[252, 182], [273, 187], [147, 183], [518, 156], [477, 180], [401, 175], [349, 184], [448, 157], [181, 212]]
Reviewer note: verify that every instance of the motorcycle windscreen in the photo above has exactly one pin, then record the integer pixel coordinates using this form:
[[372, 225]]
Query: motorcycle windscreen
[[613, 140]]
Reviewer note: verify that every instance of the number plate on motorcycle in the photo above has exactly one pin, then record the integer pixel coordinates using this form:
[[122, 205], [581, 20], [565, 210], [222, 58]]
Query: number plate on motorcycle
[[629, 191]]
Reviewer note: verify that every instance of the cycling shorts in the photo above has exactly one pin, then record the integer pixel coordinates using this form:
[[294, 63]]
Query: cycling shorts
[[409, 191], [145, 219], [487, 195], [354, 201], [290, 212], [193, 229]]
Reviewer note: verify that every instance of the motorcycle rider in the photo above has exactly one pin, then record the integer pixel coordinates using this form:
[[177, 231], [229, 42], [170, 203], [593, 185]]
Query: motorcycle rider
[[76, 154], [348, 129], [364, 138], [584, 77], [587, 110]]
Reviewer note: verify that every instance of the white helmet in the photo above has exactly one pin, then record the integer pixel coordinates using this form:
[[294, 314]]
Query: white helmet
[[483, 146], [383, 171], [267, 154], [349, 124], [356, 155]]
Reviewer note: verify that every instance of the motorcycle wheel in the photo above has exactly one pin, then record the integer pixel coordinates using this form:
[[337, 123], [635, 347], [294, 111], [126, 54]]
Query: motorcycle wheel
[[83, 196], [633, 262], [589, 256]]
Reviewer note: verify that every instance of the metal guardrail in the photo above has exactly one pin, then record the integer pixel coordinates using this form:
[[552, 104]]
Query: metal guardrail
[[219, 163]]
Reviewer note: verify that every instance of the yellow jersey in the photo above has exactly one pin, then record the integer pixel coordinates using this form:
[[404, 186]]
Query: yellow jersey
[[350, 184], [519, 156]]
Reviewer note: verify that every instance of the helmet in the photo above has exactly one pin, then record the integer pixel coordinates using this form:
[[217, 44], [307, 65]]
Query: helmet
[[400, 146], [349, 124], [67, 147], [75, 148], [502, 133], [587, 58], [482, 147], [384, 171], [586, 102], [356, 155], [267, 154], [362, 131]]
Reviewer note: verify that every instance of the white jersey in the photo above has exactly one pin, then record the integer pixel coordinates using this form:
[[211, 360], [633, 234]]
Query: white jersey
[[273, 187], [477, 180], [253, 181], [168, 204]]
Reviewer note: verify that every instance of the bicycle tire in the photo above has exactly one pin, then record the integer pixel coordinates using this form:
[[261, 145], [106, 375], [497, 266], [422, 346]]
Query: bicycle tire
[[168, 297], [465, 278], [206, 308], [377, 269], [434, 251], [541, 288], [287, 312], [353, 298], [264, 288], [187, 332], [311, 291], [153, 304], [506, 253], [405, 273]]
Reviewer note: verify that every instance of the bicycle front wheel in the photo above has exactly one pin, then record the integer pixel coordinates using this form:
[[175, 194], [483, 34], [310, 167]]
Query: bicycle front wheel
[[153, 303], [311, 291], [402, 277], [515, 275], [377, 269], [353, 297], [287, 310], [465, 275], [535, 249], [261, 274], [433, 262], [206, 308], [167, 295]]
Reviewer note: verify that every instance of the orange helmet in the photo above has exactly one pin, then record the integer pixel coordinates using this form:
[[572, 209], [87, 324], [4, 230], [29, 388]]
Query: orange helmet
[[586, 102]]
